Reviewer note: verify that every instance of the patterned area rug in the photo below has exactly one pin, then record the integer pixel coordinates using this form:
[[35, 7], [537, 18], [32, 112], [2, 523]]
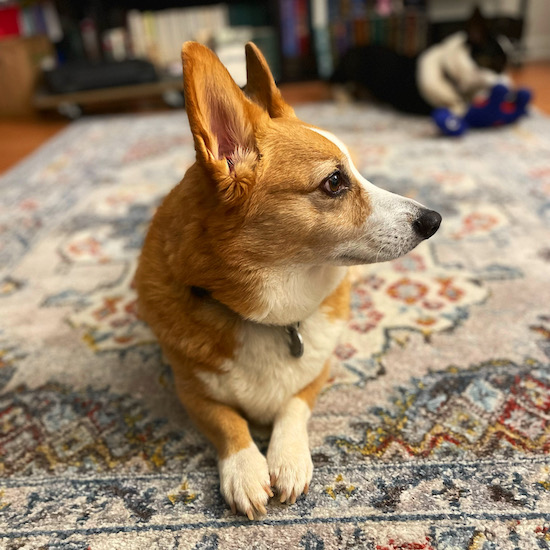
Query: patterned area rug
[[434, 432]]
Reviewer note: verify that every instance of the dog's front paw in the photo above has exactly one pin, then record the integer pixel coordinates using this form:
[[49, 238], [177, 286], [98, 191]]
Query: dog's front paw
[[290, 468], [244, 481]]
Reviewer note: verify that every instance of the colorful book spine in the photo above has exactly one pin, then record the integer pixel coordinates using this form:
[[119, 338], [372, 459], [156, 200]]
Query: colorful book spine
[[301, 8], [321, 35], [290, 45]]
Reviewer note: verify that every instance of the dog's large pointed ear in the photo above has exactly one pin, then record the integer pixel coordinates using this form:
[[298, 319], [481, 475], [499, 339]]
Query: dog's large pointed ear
[[477, 28], [261, 87], [221, 117]]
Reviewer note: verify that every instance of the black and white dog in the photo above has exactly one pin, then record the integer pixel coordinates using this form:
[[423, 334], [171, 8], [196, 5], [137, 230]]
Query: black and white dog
[[447, 74]]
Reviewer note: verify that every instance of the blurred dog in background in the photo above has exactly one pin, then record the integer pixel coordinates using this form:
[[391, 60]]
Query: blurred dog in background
[[447, 74]]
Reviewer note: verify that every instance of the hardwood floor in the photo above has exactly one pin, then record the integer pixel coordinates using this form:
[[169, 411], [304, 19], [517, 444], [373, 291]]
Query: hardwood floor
[[18, 138], [537, 77]]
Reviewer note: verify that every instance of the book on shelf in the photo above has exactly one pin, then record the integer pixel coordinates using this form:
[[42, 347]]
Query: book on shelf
[[321, 37], [30, 19], [297, 39]]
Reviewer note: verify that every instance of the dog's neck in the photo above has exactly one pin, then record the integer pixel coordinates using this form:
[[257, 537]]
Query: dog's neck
[[285, 296], [295, 340], [292, 295], [288, 298]]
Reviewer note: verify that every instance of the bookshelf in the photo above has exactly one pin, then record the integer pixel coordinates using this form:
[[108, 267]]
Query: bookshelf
[[302, 39], [308, 36]]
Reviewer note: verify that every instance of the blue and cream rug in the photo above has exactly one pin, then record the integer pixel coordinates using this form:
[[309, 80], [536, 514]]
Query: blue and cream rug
[[434, 432]]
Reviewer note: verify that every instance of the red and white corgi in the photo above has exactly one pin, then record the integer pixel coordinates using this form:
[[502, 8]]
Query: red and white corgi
[[243, 274]]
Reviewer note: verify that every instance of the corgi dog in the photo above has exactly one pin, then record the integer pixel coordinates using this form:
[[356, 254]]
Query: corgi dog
[[243, 276], [448, 74]]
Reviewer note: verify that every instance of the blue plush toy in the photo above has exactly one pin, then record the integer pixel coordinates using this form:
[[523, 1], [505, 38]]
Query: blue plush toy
[[502, 106]]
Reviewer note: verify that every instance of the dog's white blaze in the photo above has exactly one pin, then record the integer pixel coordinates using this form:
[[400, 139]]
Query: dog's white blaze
[[264, 376], [380, 196]]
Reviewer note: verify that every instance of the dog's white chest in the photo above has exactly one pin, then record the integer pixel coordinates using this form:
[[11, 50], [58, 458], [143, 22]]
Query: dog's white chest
[[264, 375]]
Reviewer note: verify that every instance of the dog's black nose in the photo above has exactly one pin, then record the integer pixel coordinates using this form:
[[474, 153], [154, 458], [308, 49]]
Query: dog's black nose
[[427, 223]]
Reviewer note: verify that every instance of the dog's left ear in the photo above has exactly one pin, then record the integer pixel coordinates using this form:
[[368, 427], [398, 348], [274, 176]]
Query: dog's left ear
[[477, 28], [261, 87]]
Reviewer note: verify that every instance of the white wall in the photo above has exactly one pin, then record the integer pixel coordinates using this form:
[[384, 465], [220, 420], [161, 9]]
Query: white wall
[[536, 34], [537, 30], [449, 10]]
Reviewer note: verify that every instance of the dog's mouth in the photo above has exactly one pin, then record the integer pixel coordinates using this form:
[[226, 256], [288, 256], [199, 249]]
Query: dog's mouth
[[350, 259]]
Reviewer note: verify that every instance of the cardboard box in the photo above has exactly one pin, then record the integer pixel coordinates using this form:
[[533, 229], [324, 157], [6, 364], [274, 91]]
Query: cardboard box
[[20, 60]]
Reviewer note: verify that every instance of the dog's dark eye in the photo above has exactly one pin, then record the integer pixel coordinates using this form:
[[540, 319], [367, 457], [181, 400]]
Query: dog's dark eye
[[335, 184]]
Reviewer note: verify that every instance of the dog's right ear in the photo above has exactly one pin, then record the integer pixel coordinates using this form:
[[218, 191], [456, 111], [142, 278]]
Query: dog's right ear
[[261, 87]]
